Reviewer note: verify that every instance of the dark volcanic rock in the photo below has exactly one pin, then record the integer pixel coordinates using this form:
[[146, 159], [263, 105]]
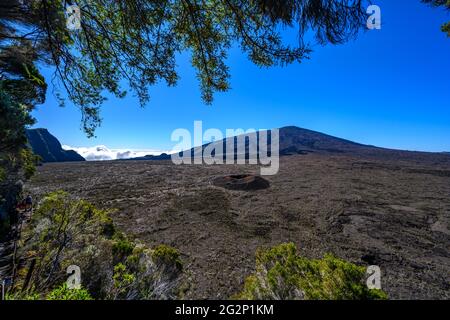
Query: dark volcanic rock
[[293, 140], [162, 156], [365, 204], [244, 182], [303, 141], [49, 148], [389, 212]]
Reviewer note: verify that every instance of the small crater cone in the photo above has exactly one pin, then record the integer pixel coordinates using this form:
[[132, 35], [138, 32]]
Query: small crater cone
[[244, 182]]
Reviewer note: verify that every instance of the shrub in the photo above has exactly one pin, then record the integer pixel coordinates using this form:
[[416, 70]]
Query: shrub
[[167, 255], [66, 231], [64, 293], [122, 247], [29, 161], [123, 280], [22, 296], [283, 275]]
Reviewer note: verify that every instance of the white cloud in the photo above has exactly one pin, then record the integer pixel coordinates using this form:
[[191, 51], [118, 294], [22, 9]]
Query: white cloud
[[100, 153]]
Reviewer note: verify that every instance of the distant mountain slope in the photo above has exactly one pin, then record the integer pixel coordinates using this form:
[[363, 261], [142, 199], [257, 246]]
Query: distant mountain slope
[[298, 140], [49, 148], [162, 156], [294, 140]]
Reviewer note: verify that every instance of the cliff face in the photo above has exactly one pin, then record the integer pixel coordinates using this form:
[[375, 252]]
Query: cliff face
[[49, 148]]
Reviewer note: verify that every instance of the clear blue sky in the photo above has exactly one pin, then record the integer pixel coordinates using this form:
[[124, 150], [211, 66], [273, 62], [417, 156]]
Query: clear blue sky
[[389, 88]]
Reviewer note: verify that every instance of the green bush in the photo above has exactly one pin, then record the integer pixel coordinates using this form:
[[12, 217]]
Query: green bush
[[64, 293], [446, 28], [122, 247], [282, 274], [66, 231], [122, 281], [22, 296], [167, 255], [29, 161]]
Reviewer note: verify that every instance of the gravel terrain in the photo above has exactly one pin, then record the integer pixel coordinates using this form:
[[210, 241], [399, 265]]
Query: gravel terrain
[[393, 212]]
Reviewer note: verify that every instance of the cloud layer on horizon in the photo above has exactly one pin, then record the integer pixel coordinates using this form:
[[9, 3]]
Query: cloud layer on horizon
[[102, 153]]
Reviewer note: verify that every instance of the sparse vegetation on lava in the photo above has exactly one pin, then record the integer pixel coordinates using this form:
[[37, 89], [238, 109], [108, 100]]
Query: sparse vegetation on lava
[[282, 274], [65, 231]]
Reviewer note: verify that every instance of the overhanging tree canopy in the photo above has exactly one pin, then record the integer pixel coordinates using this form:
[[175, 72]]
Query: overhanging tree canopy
[[137, 40], [446, 4]]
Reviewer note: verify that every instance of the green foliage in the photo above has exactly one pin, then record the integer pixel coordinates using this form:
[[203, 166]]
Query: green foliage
[[64, 293], [21, 87], [65, 231], [15, 117], [122, 247], [446, 28], [139, 41], [445, 3], [282, 274], [167, 255], [144, 273], [20, 76], [29, 161], [123, 281], [22, 296]]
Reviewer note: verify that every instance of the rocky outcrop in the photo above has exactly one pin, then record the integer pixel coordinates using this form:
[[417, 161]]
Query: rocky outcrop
[[49, 148]]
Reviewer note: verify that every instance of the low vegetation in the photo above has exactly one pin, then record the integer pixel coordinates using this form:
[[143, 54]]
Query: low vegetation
[[282, 274], [65, 293], [17, 161], [62, 292], [65, 231]]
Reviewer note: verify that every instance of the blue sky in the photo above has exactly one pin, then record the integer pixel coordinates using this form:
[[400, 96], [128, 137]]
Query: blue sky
[[389, 87]]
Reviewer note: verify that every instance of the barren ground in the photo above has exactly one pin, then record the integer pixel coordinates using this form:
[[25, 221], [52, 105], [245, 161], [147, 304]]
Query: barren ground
[[395, 214]]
